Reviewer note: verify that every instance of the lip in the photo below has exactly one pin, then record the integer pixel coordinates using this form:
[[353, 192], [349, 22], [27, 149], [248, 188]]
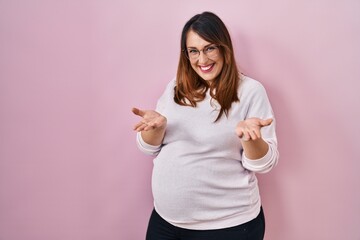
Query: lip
[[207, 68]]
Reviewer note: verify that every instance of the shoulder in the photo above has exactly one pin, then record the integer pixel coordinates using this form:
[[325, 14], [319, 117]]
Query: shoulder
[[170, 85], [248, 84], [168, 90], [251, 90], [166, 96]]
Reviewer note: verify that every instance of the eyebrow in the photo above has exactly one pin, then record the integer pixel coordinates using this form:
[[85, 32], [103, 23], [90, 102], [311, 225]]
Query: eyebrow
[[203, 47]]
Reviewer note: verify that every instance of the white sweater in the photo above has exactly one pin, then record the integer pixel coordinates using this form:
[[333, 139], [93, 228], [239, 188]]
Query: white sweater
[[201, 177]]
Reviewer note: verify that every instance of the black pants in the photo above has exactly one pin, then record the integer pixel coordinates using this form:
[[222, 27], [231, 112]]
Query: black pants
[[159, 229]]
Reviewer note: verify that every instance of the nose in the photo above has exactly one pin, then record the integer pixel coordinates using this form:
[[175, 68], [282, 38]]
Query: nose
[[202, 58]]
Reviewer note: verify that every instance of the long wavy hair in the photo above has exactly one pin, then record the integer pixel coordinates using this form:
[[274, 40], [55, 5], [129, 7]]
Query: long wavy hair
[[190, 87]]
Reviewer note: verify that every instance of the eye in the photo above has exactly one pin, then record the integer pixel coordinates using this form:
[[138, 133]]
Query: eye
[[193, 51], [210, 49]]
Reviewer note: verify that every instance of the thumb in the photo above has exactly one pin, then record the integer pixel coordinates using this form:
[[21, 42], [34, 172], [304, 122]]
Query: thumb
[[138, 112], [266, 122]]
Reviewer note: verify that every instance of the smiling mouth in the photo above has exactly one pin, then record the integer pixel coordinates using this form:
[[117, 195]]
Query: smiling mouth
[[207, 68]]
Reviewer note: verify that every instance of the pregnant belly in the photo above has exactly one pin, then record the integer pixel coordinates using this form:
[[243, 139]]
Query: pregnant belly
[[197, 193]]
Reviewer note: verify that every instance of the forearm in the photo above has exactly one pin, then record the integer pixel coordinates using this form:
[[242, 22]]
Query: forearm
[[154, 136], [255, 149]]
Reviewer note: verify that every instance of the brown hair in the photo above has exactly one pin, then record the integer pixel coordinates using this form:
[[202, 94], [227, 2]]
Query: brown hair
[[190, 87]]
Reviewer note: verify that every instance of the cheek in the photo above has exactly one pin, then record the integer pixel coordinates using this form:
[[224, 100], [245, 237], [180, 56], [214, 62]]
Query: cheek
[[194, 66], [221, 65]]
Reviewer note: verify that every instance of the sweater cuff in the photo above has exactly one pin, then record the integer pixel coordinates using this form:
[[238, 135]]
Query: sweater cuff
[[259, 165], [145, 147]]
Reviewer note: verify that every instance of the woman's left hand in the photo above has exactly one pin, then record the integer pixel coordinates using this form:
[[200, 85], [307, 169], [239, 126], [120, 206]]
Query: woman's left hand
[[249, 129]]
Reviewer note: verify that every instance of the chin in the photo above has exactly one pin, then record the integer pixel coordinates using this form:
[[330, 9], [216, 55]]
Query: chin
[[208, 78]]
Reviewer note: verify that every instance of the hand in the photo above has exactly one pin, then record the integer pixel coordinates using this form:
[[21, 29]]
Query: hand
[[249, 129], [150, 120]]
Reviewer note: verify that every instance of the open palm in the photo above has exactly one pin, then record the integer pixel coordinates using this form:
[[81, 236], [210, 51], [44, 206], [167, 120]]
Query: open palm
[[150, 120], [249, 129]]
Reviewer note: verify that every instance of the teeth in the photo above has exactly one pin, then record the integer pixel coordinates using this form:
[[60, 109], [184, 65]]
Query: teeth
[[206, 67]]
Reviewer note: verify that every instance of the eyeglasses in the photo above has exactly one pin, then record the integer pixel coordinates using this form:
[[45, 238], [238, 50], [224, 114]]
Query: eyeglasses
[[210, 51]]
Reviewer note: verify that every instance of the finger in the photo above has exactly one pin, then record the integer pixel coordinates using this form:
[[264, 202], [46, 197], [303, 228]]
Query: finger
[[140, 126], [135, 110], [266, 122], [136, 126], [239, 132], [138, 112], [148, 127], [245, 137], [253, 135], [257, 133], [158, 122]]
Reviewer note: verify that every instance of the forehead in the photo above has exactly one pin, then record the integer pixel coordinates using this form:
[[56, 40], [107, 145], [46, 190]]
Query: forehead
[[193, 40]]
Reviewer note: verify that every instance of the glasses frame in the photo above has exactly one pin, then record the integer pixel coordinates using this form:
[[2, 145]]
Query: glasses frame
[[202, 50]]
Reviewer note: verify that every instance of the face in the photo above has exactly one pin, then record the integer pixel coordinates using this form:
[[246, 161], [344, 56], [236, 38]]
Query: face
[[207, 68]]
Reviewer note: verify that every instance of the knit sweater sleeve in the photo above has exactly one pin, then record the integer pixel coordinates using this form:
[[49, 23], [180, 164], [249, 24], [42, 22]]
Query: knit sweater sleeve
[[160, 106], [259, 106], [145, 147]]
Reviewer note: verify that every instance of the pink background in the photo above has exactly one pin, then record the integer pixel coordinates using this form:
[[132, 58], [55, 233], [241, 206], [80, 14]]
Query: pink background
[[70, 71]]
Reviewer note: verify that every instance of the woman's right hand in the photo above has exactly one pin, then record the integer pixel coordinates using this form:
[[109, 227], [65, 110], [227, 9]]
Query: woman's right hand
[[151, 120]]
